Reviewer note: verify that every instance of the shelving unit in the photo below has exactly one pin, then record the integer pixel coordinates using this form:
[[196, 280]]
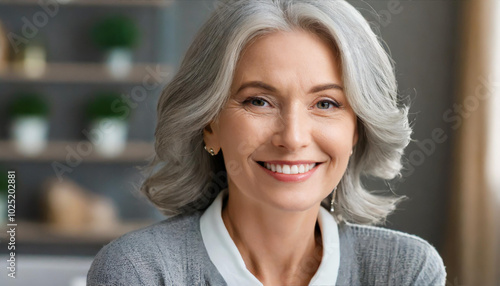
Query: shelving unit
[[41, 233], [76, 67], [86, 73], [135, 151]]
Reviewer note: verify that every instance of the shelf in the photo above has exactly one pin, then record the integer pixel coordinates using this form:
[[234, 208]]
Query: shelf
[[145, 3], [41, 233], [135, 151], [152, 73]]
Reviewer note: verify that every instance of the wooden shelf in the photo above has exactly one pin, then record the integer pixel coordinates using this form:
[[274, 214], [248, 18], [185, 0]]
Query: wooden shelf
[[41, 233], [135, 151], [91, 73], [145, 3]]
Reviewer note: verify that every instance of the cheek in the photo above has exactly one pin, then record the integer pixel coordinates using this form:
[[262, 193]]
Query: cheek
[[337, 140], [241, 134]]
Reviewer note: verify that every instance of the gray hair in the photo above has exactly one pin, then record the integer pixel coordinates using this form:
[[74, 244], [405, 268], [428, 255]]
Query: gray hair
[[183, 177]]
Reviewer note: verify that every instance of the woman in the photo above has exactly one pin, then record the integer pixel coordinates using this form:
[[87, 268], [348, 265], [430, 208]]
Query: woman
[[277, 110]]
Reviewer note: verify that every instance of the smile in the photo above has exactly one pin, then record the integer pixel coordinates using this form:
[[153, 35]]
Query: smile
[[296, 172], [288, 169]]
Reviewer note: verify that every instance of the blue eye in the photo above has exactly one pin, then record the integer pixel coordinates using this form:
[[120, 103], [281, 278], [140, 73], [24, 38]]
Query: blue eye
[[255, 101], [326, 104]]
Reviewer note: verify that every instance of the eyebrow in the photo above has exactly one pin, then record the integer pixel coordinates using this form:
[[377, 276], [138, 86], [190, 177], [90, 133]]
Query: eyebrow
[[262, 85]]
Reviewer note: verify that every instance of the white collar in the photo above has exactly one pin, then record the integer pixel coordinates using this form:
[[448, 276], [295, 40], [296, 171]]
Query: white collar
[[228, 261]]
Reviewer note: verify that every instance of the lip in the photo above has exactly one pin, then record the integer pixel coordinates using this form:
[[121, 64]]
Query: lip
[[290, 177]]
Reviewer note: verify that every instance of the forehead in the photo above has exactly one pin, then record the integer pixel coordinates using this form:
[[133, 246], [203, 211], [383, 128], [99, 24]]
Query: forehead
[[292, 54]]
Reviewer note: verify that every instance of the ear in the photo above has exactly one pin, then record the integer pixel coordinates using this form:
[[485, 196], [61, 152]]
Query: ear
[[211, 136]]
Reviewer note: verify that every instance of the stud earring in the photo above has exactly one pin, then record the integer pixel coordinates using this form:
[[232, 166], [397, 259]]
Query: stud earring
[[211, 151], [333, 200]]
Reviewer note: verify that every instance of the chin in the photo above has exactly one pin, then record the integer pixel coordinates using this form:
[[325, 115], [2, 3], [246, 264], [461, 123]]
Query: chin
[[292, 201]]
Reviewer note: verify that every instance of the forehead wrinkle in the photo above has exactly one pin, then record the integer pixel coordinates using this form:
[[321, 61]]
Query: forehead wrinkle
[[288, 75]]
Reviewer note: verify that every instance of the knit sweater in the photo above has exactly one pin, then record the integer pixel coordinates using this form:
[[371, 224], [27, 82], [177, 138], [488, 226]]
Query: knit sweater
[[172, 252]]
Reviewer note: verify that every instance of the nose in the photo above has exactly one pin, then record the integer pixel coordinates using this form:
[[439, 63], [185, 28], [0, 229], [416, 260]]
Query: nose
[[293, 129]]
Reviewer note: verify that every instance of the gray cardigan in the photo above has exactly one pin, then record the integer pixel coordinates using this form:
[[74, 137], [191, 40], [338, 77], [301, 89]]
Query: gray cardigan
[[172, 252]]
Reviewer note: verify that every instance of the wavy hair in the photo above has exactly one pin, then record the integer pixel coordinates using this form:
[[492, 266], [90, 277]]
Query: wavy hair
[[183, 177]]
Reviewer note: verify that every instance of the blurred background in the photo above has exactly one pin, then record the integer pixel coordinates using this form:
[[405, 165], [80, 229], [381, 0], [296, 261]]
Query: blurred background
[[79, 83]]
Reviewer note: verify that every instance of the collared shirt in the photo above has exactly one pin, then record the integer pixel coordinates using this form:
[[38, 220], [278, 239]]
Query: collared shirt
[[225, 255]]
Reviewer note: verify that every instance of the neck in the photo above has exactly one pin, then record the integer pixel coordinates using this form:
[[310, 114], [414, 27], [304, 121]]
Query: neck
[[284, 250]]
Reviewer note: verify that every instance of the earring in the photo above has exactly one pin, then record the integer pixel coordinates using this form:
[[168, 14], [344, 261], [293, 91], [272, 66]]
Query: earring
[[333, 199], [211, 151]]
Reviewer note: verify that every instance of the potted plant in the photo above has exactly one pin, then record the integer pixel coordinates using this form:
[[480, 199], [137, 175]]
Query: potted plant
[[29, 123], [106, 118], [117, 36]]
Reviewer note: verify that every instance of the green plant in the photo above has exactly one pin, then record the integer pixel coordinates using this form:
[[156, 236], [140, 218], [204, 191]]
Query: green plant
[[107, 104], [28, 104], [115, 32]]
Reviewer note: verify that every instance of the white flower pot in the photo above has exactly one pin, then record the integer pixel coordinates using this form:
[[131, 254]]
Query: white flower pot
[[119, 62], [113, 136], [29, 134]]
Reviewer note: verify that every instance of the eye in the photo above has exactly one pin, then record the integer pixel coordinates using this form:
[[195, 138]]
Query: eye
[[255, 101], [327, 104]]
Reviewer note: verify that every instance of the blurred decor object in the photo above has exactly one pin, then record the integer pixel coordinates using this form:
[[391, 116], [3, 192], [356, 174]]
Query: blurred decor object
[[117, 36], [472, 246], [4, 48], [108, 119], [29, 124], [32, 60], [71, 209]]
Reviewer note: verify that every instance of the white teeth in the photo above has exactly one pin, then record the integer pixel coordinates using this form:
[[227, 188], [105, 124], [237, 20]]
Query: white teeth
[[302, 169], [278, 169], [290, 169], [286, 169]]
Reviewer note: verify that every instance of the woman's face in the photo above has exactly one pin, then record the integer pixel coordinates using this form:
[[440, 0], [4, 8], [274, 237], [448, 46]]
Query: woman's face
[[287, 111]]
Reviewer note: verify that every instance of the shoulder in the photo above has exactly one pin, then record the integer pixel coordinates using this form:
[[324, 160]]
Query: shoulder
[[142, 257], [170, 233], [399, 258]]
